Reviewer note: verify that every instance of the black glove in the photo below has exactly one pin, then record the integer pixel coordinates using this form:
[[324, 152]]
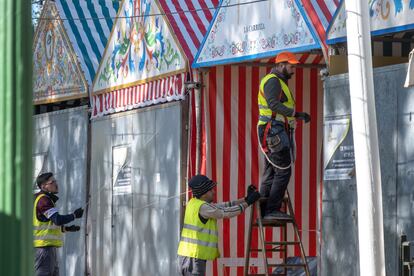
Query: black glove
[[72, 228], [303, 116], [252, 198], [251, 189], [78, 213]]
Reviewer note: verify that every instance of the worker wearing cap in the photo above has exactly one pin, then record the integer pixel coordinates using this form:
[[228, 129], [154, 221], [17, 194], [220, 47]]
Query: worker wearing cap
[[277, 120], [199, 236], [48, 226]]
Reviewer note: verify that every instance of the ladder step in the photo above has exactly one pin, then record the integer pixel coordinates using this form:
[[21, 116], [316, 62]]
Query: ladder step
[[257, 221], [274, 222], [297, 266], [283, 243], [268, 250], [261, 274]]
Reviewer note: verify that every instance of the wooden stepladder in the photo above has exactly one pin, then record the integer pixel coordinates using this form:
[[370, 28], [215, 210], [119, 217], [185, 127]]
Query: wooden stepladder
[[274, 246]]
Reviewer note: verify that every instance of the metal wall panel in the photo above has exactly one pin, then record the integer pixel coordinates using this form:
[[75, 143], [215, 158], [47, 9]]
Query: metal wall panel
[[134, 206], [339, 203], [60, 141], [339, 221], [405, 164]]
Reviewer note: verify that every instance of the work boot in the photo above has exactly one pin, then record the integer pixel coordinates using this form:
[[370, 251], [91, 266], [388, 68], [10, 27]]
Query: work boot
[[277, 215]]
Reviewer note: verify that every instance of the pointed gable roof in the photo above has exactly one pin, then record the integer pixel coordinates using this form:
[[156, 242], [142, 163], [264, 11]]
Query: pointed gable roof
[[142, 47], [57, 75], [190, 20], [88, 24]]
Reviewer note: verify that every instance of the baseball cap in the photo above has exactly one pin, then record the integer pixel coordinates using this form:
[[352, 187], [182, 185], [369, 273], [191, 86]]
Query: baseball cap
[[286, 57]]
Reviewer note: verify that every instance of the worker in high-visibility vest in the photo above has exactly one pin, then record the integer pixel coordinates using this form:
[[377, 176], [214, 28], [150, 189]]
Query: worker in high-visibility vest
[[277, 121], [48, 226], [199, 236]]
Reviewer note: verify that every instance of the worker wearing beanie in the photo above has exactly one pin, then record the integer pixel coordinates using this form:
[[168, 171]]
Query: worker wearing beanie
[[199, 236]]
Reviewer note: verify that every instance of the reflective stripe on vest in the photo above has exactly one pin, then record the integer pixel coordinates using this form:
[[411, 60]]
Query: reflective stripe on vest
[[45, 233], [198, 240], [265, 113]]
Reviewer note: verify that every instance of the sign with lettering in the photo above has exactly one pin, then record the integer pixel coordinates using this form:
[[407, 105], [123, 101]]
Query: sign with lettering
[[339, 159], [242, 30], [387, 16], [121, 170]]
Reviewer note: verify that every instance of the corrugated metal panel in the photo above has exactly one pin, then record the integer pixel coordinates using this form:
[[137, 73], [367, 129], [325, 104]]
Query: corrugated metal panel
[[395, 131], [60, 146], [135, 189]]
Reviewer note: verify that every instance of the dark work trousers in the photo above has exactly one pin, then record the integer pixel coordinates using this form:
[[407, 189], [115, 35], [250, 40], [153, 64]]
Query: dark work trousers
[[46, 263], [188, 266], [277, 172]]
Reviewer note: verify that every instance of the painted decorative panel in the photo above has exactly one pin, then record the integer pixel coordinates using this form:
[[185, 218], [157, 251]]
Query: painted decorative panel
[[141, 48], [242, 30], [56, 73], [386, 16]]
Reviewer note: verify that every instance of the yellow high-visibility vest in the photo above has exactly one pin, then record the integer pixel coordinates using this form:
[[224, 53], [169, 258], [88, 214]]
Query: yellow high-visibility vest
[[198, 240], [265, 113], [45, 233]]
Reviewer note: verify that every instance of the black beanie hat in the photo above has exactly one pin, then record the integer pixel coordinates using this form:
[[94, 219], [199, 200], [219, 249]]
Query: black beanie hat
[[201, 184]]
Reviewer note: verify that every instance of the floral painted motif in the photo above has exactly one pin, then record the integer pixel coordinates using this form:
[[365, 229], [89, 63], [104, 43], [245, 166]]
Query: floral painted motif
[[140, 46], [385, 14], [383, 7], [56, 73]]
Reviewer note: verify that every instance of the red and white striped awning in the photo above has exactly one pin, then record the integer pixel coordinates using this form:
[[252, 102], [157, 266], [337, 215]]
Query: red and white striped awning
[[320, 13], [158, 91], [231, 154], [190, 20]]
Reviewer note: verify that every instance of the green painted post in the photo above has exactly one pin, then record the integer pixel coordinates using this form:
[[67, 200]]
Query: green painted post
[[16, 245]]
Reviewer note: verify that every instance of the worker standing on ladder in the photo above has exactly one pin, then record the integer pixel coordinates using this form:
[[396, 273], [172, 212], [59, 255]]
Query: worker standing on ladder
[[199, 236], [277, 120]]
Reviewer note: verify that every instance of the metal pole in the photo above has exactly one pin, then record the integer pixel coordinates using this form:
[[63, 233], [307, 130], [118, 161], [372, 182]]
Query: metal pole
[[197, 94], [370, 220], [16, 199]]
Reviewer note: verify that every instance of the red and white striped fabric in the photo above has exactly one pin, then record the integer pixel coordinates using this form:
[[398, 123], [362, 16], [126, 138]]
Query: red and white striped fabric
[[320, 13], [190, 20], [158, 91], [232, 157]]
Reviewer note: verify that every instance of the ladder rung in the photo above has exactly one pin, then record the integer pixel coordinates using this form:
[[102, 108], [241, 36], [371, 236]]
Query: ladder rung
[[274, 246], [283, 243], [287, 265], [268, 250], [273, 223]]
